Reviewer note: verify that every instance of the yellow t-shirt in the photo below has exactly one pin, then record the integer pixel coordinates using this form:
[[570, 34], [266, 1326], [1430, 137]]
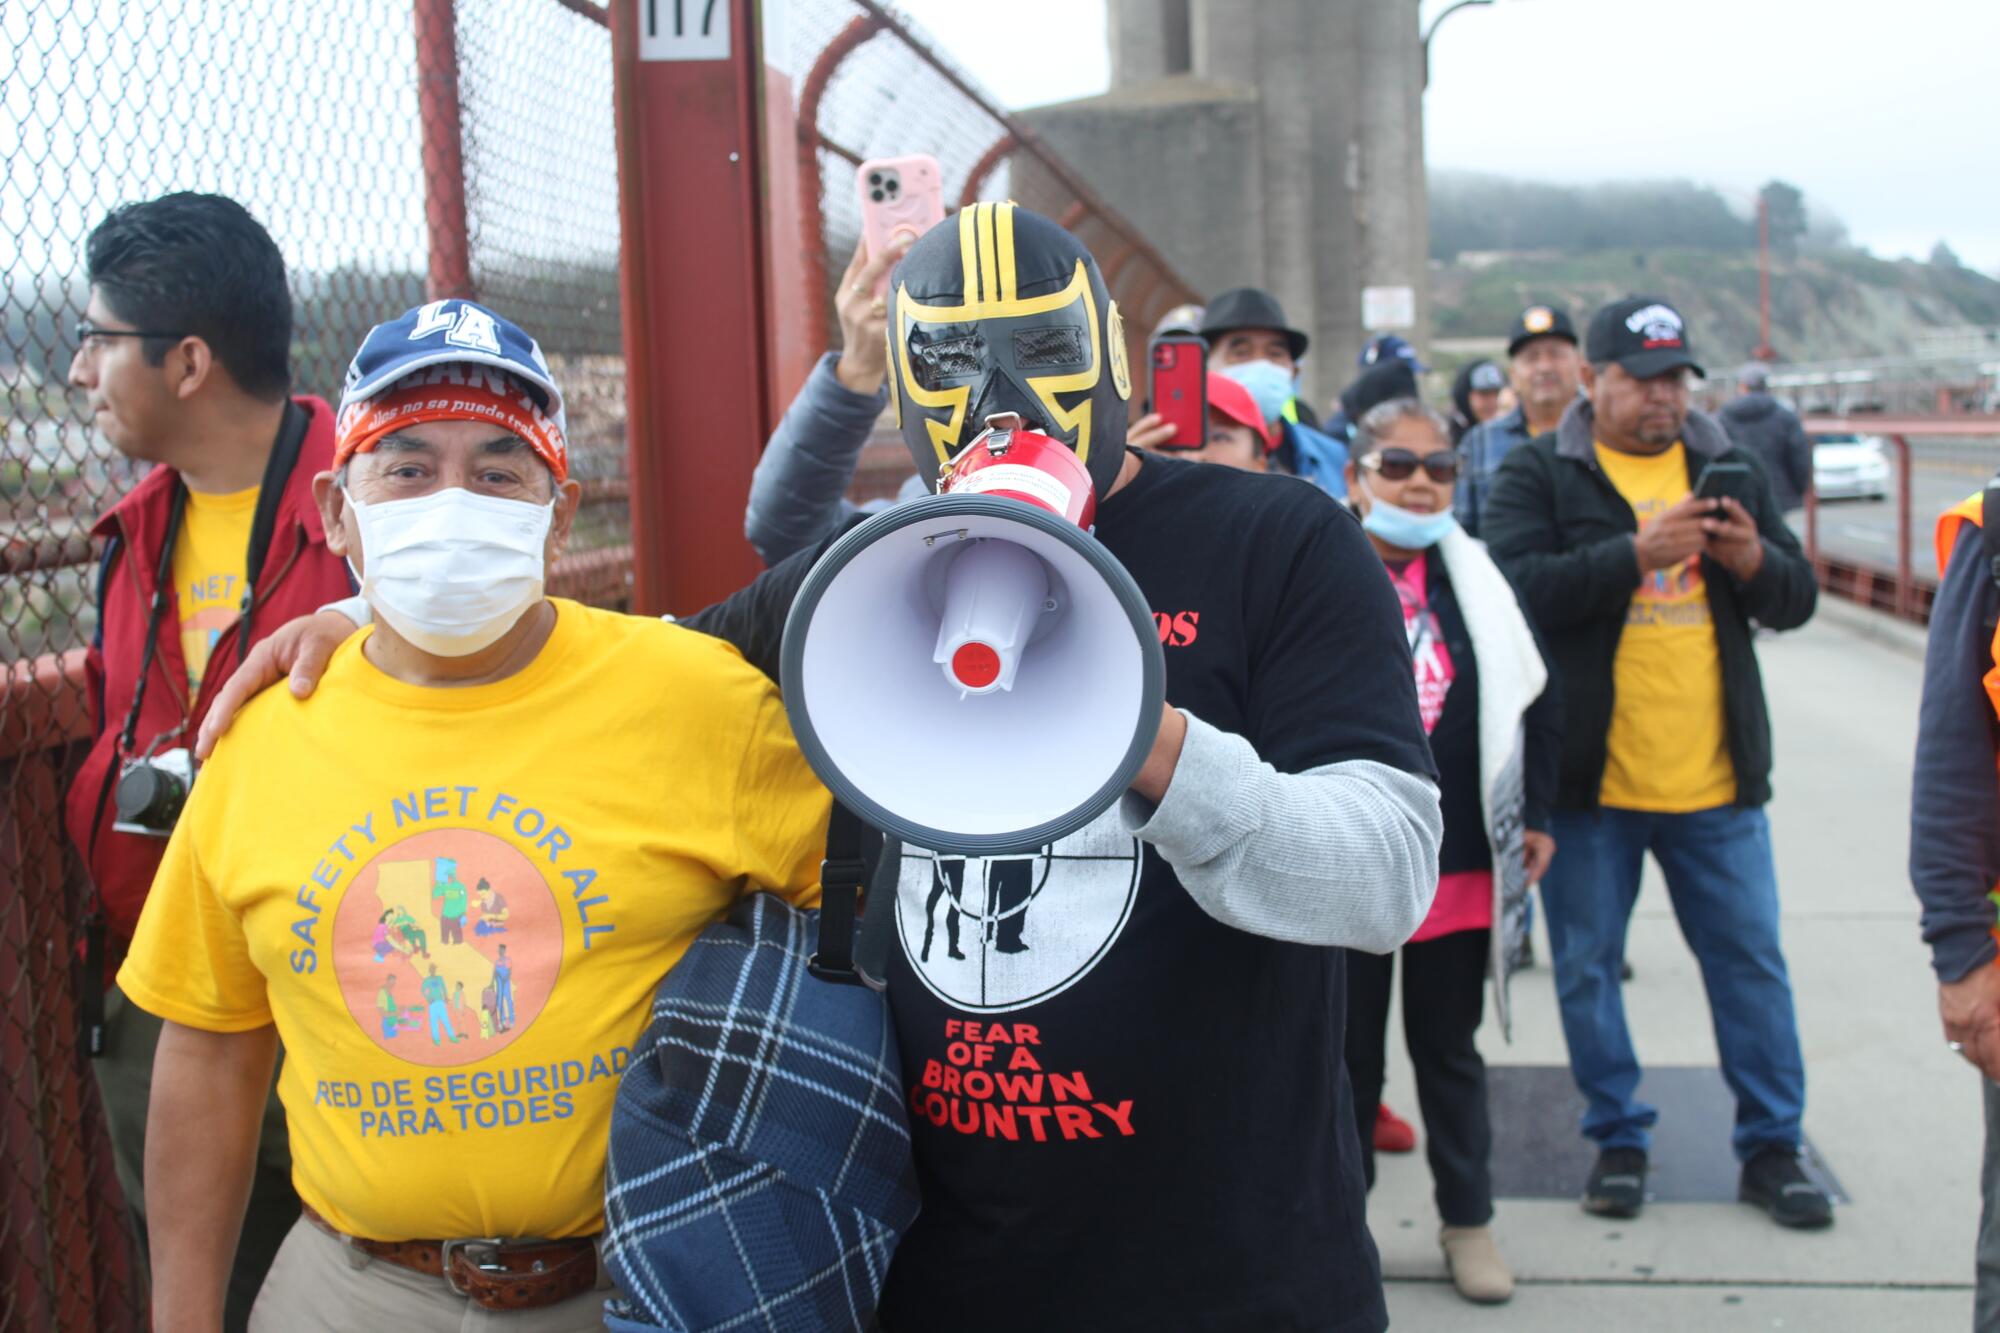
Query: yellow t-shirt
[[209, 560], [456, 905], [1668, 751]]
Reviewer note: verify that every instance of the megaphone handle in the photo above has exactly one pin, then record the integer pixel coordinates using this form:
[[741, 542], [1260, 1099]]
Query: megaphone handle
[[840, 877]]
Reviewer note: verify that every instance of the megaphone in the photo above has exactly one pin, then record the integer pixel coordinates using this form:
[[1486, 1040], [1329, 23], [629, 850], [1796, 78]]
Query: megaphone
[[972, 671]]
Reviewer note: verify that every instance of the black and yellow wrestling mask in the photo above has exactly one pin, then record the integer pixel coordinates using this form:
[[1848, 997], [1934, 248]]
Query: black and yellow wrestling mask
[[1000, 310]]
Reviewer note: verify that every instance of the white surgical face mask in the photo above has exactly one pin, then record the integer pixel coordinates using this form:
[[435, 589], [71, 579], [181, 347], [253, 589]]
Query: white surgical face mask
[[452, 571]]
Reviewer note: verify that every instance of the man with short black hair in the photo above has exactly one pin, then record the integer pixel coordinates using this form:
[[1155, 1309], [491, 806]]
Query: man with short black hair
[[1760, 423], [1647, 589], [1545, 366], [183, 356]]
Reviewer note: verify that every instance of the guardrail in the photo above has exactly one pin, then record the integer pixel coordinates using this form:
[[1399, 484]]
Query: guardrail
[[1901, 591]]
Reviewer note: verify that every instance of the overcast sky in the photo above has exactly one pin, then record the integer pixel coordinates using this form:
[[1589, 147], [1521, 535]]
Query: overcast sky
[[1887, 114]]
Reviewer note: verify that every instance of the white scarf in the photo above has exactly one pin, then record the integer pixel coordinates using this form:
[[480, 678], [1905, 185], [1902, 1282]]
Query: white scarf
[[1511, 677]]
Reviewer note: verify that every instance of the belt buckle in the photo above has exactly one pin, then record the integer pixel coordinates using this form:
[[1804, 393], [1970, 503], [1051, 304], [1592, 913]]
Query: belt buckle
[[472, 1244]]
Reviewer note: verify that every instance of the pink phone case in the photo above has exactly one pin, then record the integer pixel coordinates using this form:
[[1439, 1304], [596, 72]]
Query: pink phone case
[[899, 195]]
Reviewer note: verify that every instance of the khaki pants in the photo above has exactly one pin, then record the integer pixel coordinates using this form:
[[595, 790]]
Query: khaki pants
[[319, 1285], [124, 1074]]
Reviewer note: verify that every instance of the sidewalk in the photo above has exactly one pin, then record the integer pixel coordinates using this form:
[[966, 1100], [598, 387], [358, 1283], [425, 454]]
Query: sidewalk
[[1896, 1116]]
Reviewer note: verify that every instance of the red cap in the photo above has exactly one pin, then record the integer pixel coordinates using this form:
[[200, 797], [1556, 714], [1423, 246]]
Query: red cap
[[1231, 399]]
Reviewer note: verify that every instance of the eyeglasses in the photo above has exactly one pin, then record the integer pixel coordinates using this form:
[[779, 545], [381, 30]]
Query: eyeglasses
[[1402, 464], [89, 335]]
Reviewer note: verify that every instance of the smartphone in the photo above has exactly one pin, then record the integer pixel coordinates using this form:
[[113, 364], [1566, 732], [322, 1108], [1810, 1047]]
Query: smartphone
[[1180, 388], [1724, 477], [900, 196]]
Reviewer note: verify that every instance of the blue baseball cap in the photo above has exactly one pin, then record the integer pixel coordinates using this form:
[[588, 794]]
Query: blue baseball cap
[[1386, 345], [443, 332]]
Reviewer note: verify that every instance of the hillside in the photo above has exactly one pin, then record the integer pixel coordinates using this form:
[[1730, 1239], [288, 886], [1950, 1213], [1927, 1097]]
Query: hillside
[[1824, 306]]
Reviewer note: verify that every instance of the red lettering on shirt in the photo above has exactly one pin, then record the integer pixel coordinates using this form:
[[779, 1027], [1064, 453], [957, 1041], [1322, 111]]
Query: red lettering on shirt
[[1179, 629], [960, 1094]]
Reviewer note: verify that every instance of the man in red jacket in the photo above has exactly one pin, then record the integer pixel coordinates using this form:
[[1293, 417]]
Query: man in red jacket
[[183, 355]]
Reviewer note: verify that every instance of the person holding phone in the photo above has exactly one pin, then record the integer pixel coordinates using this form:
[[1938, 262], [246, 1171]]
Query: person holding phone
[[1647, 581], [795, 492], [1234, 435], [1494, 733]]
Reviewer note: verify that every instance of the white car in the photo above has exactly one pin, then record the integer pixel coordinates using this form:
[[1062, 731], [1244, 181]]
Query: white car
[[1850, 467]]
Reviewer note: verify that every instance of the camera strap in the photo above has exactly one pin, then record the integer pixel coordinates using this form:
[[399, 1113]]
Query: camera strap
[[163, 583], [285, 452]]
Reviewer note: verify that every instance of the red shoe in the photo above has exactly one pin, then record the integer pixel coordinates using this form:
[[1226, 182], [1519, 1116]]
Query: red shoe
[[1392, 1132]]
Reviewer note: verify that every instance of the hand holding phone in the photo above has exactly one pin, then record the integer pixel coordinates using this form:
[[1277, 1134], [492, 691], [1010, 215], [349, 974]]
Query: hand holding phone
[[900, 196], [1180, 388], [1724, 477]]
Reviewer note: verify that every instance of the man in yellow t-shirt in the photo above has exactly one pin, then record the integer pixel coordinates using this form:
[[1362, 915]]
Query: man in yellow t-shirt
[[616, 781], [1647, 587]]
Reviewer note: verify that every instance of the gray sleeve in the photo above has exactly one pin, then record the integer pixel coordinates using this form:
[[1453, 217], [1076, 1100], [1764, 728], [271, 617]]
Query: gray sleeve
[[1343, 855], [796, 493]]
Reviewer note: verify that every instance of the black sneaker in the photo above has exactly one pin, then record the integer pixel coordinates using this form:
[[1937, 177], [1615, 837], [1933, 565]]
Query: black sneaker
[[1617, 1185], [1774, 1182]]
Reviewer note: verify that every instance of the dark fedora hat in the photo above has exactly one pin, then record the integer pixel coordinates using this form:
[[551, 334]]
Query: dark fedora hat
[[1250, 308]]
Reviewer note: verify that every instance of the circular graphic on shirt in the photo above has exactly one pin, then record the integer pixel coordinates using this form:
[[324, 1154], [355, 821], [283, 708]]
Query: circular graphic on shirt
[[993, 933], [447, 946]]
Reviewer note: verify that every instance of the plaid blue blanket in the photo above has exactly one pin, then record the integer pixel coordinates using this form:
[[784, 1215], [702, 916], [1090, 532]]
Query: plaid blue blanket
[[759, 1173]]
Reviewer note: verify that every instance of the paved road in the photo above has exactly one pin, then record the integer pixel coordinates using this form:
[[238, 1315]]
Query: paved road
[[1942, 473], [1895, 1114]]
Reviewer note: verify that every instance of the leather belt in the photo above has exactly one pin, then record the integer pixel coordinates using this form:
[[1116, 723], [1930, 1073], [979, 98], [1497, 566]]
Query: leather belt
[[491, 1272]]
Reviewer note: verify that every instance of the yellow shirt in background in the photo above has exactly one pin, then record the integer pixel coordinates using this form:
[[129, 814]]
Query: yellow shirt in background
[[1668, 751], [209, 559], [456, 905]]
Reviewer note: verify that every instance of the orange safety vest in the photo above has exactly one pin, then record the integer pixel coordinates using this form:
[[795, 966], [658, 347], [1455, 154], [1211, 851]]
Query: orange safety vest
[[1973, 511]]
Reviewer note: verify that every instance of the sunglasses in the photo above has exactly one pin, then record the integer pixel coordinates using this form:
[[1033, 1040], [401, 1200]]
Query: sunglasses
[[1402, 464]]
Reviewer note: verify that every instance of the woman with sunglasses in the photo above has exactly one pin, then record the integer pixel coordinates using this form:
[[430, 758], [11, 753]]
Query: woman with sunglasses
[[1493, 729]]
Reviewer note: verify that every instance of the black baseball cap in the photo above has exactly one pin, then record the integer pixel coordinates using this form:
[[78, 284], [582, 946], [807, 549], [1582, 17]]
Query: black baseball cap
[[1390, 378], [1249, 308], [1644, 334], [1540, 321]]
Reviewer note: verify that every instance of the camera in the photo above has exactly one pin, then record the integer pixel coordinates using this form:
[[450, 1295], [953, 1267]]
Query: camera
[[151, 791]]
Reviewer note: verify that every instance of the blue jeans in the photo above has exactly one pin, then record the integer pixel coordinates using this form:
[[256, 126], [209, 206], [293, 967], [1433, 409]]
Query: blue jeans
[[1724, 888]]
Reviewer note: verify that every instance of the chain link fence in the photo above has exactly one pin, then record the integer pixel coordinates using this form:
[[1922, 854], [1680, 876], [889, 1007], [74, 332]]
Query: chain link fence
[[867, 84], [395, 149]]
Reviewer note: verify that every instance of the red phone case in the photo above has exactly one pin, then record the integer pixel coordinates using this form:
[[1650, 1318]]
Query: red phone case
[[1180, 388]]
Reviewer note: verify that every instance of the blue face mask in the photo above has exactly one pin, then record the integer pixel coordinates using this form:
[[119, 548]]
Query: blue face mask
[[1269, 383], [1405, 528]]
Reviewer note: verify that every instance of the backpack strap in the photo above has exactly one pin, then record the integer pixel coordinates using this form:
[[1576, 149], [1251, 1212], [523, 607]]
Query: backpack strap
[[841, 875]]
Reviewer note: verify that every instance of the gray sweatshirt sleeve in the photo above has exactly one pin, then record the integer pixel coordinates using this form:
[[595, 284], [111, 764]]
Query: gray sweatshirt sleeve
[[1955, 793], [797, 492], [1345, 854]]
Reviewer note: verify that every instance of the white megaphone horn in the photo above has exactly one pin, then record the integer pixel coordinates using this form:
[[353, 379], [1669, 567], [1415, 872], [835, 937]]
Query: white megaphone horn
[[973, 672]]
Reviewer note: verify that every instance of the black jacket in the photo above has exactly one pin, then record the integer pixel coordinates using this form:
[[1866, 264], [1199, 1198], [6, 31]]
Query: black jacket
[[1767, 428], [1563, 533]]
